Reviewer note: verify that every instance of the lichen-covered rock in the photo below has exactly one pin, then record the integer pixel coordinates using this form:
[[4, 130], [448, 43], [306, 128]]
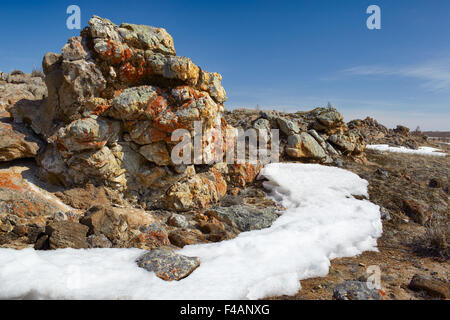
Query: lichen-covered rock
[[167, 264], [303, 145], [181, 238], [20, 87], [177, 220], [196, 192], [17, 142], [116, 94], [288, 127], [20, 198], [153, 236], [375, 133]]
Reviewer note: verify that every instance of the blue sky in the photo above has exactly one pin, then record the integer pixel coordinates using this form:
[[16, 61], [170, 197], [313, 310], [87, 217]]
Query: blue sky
[[289, 55]]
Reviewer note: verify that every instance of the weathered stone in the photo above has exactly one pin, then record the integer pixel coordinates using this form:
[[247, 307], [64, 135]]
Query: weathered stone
[[288, 127], [153, 236], [304, 146], [262, 124], [129, 73], [433, 287], [102, 220], [181, 238], [196, 192], [355, 290], [156, 152], [415, 211], [147, 38], [19, 198], [67, 234], [98, 241], [167, 264], [246, 218], [330, 117], [243, 174], [87, 134], [177, 220]]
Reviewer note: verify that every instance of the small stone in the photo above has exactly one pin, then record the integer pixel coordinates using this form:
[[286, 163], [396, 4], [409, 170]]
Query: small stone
[[98, 241], [432, 287], [181, 238], [415, 211], [288, 127], [154, 235], [167, 264], [210, 228], [246, 218]]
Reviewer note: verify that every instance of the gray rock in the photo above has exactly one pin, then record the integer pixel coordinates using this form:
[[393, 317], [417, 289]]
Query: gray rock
[[355, 290], [67, 234], [167, 264], [318, 138], [245, 217]]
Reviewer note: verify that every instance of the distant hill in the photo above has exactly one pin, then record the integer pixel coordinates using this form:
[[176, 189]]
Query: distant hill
[[437, 134]]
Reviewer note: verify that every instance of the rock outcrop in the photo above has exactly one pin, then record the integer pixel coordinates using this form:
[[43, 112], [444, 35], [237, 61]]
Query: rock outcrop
[[115, 96], [319, 135], [375, 133]]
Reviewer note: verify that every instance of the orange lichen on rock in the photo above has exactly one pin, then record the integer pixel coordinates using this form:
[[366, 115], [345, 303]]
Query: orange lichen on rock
[[9, 180]]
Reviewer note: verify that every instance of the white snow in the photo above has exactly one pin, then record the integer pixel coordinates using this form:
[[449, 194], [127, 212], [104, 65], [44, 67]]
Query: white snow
[[420, 151], [323, 221]]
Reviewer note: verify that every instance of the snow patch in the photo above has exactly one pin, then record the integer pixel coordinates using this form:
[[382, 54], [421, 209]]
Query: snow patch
[[427, 151], [322, 221]]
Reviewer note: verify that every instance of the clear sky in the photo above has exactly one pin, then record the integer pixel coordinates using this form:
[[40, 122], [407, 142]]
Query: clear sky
[[288, 55]]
